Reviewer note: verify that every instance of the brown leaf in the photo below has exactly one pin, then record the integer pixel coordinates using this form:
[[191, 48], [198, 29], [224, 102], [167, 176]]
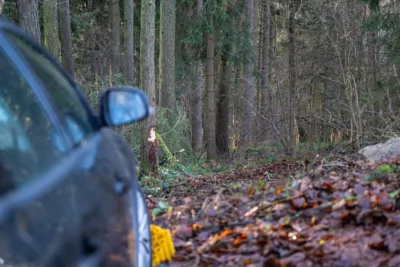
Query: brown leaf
[[183, 232], [212, 212], [305, 183], [384, 201], [365, 203], [394, 262], [394, 219], [299, 202], [294, 258], [359, 189]]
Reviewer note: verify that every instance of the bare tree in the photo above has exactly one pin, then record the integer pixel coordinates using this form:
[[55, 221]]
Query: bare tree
[[29, 17]]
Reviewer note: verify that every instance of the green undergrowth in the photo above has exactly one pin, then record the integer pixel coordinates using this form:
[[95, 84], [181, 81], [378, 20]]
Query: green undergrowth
[[177, 172], [382, 171]]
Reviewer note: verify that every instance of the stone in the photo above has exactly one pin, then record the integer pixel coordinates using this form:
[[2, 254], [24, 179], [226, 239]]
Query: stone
[[388, 151]]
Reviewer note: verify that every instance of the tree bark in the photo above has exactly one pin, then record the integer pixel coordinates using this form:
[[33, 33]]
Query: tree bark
[[197, 96], [29, 17], [167, 56], [64, 21], [147, 73], [291, 131], [211, 116], [50, 27], [115, 24], [129, 38], [249, 72], [266, 96], [197, 108], [224, 96]]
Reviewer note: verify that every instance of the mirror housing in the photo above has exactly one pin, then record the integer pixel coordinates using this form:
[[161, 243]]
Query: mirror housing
[[123, 105]]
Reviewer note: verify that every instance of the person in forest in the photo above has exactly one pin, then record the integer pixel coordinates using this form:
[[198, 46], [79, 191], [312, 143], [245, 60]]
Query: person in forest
[[153, 144]]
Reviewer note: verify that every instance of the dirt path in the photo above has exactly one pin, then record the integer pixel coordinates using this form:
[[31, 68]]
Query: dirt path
[[332, 217]]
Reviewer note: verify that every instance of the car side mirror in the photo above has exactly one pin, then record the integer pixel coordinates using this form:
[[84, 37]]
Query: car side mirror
[[123, 105]]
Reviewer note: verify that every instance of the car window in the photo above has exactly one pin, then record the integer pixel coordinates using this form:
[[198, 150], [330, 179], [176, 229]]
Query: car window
[[28, 143], [73, 114]]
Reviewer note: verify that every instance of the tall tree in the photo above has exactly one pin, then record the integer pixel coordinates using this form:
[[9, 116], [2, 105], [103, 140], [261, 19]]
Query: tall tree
[[129, 48], [197, 94], [249, 72], [167, 55], [225, 87], [64, 20], [115, 40], [210, 122], [266, 96], [29, 17], [147, 73], [50, 27], [291, 131]]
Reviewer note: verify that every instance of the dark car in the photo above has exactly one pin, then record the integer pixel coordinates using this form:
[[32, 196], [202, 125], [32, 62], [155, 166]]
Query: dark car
[[69, 195]]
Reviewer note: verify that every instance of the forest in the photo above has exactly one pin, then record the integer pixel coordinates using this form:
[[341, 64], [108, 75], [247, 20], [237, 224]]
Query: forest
[[229, 75], [268, 100]]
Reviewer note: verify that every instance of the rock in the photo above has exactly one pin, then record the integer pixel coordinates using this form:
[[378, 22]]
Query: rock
[[390, 150]]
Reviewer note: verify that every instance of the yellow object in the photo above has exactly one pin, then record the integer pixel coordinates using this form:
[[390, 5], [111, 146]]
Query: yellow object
[[163, 247]]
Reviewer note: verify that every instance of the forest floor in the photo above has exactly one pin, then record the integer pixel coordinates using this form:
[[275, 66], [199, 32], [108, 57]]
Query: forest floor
[[337, 211]]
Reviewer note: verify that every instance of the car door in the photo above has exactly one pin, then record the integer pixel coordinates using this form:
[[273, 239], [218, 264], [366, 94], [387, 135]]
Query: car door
[[98, 199], [36, 219]]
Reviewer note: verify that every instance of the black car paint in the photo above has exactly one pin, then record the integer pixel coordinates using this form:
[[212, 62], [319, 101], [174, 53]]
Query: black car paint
[[48, 219]]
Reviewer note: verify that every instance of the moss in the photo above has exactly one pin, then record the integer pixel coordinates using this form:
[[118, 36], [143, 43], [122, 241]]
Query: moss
[[381, 171]]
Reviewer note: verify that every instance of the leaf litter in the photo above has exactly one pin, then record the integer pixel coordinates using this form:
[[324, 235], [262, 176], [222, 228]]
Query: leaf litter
[[337, 213]]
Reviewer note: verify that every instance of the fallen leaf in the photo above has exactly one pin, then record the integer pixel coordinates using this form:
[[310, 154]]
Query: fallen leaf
[[251, 212], [339, 204]]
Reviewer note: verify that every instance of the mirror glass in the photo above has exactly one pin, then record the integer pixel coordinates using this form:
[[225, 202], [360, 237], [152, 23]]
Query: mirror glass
[[126, 107]]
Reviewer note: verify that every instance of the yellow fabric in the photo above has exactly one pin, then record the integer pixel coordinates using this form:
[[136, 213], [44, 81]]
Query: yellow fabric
[[163, 247]]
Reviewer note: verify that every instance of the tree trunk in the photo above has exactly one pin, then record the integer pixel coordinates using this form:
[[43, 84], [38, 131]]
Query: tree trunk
[[266, 97], [129, 46], [147, 74], [115, 24], [211, 116], [29, 17], [291, 131], [50, 27], [224, 96], [1, 6], [372, 72], [64, 21], [197, 97], [167, 56], [249, 72]]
